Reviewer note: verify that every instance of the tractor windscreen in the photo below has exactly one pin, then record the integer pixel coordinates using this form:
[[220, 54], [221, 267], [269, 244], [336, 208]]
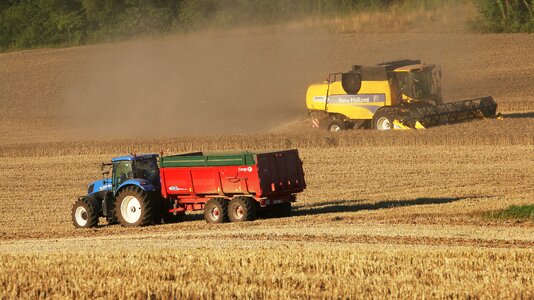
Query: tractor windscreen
[[418, 84], [122, 171], [147, 169]]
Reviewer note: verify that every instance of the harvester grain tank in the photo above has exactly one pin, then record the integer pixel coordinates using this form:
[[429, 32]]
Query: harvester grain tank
[[148, 189], [392, 95]]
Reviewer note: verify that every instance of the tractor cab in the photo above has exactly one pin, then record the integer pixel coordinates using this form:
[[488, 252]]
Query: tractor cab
[[136, 169]]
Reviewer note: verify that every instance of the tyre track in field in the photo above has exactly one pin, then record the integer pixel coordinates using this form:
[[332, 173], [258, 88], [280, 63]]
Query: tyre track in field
[[179, 238], [213, 241], [400, 240]]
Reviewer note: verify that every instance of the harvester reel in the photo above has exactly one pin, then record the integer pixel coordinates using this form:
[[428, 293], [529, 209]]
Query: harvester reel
[[351, 82]]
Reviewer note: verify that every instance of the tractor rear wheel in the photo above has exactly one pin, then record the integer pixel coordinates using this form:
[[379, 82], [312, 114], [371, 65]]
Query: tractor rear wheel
[[216, 211], [134, 207], [383, 119], [243, 209], [85, 213]]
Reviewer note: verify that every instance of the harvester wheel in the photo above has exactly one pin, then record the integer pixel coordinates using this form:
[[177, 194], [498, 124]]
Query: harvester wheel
[[383, 119], [134, 207], [216, 211], [243, 209], [85, 213], [336, 126]]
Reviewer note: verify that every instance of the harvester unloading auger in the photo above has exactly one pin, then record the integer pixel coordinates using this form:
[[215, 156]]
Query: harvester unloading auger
[[392, 95]]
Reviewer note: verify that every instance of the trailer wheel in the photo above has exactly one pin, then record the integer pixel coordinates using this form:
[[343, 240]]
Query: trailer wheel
[[383, 119], [134, 207], [242, 209], [85, 214], [216, 211]]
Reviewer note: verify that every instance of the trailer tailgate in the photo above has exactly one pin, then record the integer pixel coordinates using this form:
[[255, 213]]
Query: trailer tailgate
[[280, 173]]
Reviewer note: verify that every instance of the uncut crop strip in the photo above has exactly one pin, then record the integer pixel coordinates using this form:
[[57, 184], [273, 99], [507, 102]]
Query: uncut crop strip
[[508, 132], [282, 271]]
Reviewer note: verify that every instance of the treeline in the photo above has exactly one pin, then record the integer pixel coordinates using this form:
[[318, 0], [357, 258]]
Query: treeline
[[507, 15], [33, 23]]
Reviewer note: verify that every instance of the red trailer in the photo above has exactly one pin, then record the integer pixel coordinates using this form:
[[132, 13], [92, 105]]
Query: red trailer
[[146, 189], [231, 186]]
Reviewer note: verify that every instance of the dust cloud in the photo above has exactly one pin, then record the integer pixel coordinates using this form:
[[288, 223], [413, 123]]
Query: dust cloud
[[202, 84]]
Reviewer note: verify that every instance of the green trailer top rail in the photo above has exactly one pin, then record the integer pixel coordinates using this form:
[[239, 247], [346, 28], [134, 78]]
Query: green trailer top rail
[[205, 159]]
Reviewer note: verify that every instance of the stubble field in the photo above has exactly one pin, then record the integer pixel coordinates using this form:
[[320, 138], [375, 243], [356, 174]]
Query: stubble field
[[385, 214]]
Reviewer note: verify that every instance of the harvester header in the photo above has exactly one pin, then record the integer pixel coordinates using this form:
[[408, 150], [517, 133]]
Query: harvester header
[[399, 94]]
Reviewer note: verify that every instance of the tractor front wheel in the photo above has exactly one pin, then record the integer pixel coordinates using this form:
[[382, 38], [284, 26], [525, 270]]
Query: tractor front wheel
[[134, 207], [216, 211], [243, 209], [85, 214]]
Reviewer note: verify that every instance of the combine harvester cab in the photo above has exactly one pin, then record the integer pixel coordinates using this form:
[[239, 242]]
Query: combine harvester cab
[[393, 95], [227, 186]]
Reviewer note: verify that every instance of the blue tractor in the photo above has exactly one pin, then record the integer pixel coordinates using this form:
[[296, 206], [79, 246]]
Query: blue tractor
[[131, 196]]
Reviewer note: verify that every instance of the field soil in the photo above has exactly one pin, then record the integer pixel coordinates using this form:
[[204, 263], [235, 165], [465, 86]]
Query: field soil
[[385, 214]]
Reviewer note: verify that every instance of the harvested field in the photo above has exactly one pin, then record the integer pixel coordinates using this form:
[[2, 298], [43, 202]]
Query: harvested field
[[421, 232], [386, 214]]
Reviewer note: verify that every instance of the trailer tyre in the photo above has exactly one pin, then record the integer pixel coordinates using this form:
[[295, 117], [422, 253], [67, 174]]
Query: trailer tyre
[[85, 213], [383, 119], [216, 211], [134, 207], [243, 209]]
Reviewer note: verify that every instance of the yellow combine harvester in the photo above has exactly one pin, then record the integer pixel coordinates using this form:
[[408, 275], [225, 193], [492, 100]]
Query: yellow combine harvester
[[392, 95]]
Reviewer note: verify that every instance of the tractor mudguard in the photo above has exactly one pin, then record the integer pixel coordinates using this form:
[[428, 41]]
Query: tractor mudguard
[[99, 186], [143, 184]]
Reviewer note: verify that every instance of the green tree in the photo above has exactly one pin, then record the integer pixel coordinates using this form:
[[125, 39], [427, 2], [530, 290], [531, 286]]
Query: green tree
[[507, 15]]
